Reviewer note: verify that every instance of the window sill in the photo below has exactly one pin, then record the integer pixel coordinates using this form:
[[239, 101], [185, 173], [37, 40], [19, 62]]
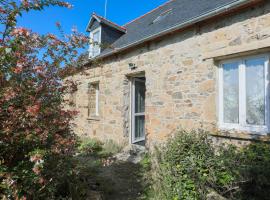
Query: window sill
[[252, 130], [244, 133], [94, 118], [92, 57]]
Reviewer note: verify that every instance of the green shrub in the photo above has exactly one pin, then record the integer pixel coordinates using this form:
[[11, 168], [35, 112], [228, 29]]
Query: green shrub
[[189, 167], [256, 170], [146, 165], [90, 146], [146, 162], [110, 148]]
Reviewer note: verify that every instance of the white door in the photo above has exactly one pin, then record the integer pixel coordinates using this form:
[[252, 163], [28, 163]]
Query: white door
[[138, 110]]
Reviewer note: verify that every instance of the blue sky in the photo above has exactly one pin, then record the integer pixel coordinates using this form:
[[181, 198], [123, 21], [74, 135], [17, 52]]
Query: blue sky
[[119, 11]]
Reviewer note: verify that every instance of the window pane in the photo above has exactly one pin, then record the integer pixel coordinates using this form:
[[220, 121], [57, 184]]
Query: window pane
[[96, 45], [96, 36], [255, 93], [139, 96], [139, 127], [231, 92]]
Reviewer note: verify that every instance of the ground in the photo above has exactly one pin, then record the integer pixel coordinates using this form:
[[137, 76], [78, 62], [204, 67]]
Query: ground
[[123, 179], [116, 177]]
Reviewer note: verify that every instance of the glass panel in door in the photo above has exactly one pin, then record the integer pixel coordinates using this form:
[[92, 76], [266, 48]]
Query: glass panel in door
[[138, 110], [139, 127], [139, 96]]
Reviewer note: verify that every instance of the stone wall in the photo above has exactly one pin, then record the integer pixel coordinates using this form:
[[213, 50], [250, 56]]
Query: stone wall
[[181, 78]]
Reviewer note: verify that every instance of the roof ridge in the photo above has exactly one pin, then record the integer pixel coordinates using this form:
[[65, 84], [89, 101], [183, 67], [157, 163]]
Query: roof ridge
[[162, 5], [121, 27]]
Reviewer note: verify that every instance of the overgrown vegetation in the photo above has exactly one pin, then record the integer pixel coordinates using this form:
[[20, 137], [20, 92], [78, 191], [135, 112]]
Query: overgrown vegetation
[[78, 177], [37, 145], [146, 170], [256, 171], [191, 167], [90, 146], [110, 178]]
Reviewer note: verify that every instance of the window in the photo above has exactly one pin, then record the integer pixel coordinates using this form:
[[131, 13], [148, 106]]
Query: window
[[95, 40], [93, 99], [72, 99], [243, 99]]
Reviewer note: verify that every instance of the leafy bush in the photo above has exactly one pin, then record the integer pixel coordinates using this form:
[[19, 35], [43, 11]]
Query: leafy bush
[[146, 165], [146, 162], [37, 144], [256, 170], [111, 148], [90, 146], [94, 147], [190, 167]]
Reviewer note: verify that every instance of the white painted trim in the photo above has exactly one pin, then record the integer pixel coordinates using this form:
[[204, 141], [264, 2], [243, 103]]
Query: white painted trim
[[242, 125], [130, 110], [220, 91], [267, 92], [133, 114], [91, 46], [94, 17], [105, 21], [242, 93]]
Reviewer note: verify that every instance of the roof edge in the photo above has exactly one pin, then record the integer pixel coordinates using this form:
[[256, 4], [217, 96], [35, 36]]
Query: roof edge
[[90, 21], [101, 19], [222, 9]]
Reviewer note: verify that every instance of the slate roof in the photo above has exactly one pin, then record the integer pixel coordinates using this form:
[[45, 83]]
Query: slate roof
[[165, 17]]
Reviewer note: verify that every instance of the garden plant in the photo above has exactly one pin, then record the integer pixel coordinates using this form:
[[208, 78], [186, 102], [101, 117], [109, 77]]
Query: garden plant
[[36, 141]]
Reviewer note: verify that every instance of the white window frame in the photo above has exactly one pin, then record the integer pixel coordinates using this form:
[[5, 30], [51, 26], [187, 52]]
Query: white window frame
[[242, 125], [96, 85], [133, 114], [91, 47]]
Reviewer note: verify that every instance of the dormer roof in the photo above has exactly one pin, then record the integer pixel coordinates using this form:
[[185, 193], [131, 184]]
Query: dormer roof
[[102, 20]]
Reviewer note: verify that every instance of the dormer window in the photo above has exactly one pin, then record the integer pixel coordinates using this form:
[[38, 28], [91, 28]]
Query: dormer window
[[95, 43], [103, 33]]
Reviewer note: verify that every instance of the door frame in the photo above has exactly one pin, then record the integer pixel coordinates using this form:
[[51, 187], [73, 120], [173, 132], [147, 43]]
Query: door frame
[[133, 140]]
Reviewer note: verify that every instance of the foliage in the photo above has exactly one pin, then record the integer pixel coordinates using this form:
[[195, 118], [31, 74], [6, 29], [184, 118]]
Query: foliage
[[190, 167], [90, 146], [36, 142], [111, 148], [146, 164], [256, 169], [95, 147]]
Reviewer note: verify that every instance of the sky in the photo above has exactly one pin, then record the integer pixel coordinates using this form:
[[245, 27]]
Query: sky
[[118, 11]]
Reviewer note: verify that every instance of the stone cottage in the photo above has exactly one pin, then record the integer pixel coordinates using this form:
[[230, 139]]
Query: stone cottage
[[186, 64]]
